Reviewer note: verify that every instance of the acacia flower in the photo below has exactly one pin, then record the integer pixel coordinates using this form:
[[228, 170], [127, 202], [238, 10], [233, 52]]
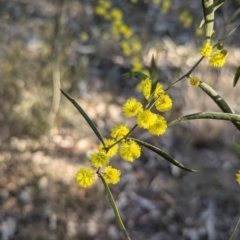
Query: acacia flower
[[99, 159], [217, 59], [99, 10], [145, 87], [111, 175], [164, 103], [132, 107], [130, 150], [194, 81], [85, 177], [109, 142], [126, 31], [116, 14], [206, 49], [165, 6], [159, 127], [238, 177], [146, 119], [159, 90], [119, 131]]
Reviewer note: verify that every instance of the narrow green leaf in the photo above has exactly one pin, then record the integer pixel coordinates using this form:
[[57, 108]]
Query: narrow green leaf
[[218, 100], [236, 76], [154, 74], [138, 75], [207, 115], [114, 207], [235, 229], [236, 146], [209, 17], [82, 112], [163, 154]]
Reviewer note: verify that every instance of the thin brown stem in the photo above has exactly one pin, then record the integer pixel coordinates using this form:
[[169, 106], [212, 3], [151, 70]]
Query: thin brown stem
[[186, 74]]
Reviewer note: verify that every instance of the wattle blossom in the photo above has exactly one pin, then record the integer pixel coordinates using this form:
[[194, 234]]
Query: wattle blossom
[[111, 175], [85, 177], [130, 150]]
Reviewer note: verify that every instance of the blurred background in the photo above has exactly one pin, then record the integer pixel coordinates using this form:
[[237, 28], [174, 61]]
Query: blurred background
[[84, 47]]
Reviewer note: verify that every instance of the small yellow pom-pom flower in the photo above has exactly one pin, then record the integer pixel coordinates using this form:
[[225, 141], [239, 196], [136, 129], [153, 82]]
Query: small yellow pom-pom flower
[[85, 177], [218, 58], [164, 103], [109, 142], [130, 150], [206, 49], [116, 14], [126, 31], [111, 175], [194, 81], [159, 90], [186, 18], [119, 131], [99, 159], [145, 87], [165, 6], [132, 107], [146, 119], [159, 127], [156, 2], [199, 32], [238, 177], [99, 10], [84, 36]]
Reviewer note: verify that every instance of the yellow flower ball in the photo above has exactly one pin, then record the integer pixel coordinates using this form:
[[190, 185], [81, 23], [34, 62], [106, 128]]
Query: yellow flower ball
[[146, 119], [109, 142], [126, 31], [119, 131], [99, 10], [206, 49], [159, 127], [130, 150], [137, 67], [164, 103], [157, 2], [217, 59], [159, 90], [145, 87], [194, 81], [99, 159], [111, 175], [85, 177], [238, 177], [116, 14], [132, 107], [165, 6]]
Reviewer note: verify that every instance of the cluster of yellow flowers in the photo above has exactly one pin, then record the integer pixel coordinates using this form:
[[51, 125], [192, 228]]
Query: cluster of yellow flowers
[[120, 31], [186, 18], [217, 58], [238, 177], [165, 5], [84, 36], [120, 141]]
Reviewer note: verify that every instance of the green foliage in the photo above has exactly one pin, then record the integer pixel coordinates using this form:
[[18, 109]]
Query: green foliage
[[236, 76]]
